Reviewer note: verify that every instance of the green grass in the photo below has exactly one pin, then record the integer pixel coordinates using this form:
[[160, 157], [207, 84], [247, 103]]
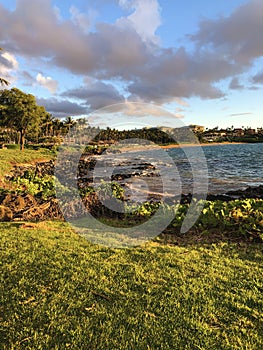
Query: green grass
[[11, 157], [59, 291]]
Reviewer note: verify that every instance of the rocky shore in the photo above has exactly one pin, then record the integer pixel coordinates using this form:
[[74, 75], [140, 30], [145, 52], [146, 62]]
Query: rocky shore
[[23, 206], [249, 192]]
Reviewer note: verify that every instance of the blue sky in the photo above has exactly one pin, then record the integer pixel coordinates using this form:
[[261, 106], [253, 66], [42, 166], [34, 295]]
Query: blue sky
[[200, 60]]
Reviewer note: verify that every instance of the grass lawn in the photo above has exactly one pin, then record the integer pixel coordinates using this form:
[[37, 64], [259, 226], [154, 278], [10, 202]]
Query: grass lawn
[[59, 291]]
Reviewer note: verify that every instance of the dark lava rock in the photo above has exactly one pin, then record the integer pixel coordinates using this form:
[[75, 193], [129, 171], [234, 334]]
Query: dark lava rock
[[249, 192]]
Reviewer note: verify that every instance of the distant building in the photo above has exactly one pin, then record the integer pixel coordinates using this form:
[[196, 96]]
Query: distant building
[[211, 137], [197, 128], [238, 132], [165, 129], [251, 131]]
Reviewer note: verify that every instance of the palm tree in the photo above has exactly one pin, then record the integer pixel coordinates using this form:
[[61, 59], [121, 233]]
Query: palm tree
[[68, 123], [2, 80], [57, 127], [47, 123]]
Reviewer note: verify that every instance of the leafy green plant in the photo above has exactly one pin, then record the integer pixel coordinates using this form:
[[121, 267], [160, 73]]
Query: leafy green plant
[[43, 187], [109, 189], [146, 209], [238, 217]]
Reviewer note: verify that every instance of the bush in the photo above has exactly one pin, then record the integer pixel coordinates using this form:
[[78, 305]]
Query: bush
[[12, 146]]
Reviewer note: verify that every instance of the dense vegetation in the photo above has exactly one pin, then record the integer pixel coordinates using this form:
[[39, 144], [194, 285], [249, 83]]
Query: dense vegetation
[[20, 112], [151, 134], [23, 121], [236, 219]]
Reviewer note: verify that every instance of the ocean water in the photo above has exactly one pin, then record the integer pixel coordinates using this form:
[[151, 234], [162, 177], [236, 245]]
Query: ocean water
[[230, 166], [214, 169]]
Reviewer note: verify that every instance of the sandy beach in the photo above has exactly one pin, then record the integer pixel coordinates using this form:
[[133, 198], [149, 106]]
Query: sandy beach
[[137, 148], [201, 144]]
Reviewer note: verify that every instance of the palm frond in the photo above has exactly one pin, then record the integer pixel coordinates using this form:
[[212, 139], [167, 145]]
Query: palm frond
[[4, 82]]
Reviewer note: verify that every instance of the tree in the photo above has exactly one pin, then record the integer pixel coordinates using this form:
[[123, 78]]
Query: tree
[[58, 126], [69, 123], [2, 80], [20, 111], [47, 124]]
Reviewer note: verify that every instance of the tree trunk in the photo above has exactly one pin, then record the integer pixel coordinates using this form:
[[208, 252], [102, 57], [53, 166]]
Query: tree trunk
[[22, 139]]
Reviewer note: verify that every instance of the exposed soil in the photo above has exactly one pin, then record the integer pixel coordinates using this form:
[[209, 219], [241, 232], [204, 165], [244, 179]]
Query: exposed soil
[[26, 207]]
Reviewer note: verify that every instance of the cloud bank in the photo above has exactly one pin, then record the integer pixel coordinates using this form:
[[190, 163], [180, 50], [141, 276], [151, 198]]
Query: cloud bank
[[129, 51]]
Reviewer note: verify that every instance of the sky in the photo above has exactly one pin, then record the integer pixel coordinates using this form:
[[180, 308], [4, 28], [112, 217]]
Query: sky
[[200, 62]]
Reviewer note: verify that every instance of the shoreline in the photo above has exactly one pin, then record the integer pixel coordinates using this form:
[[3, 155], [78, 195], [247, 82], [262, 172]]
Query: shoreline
[[148, 147], [201, 144]]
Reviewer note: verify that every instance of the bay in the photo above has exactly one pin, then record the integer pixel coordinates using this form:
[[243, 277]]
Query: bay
[[230, 166], [214, 169]]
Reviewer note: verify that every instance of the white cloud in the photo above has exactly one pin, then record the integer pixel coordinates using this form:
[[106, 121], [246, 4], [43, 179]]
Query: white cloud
[[126, 4], [179, 115], [137, 109], [82, 20], [57, 13], [11, 59], [145, 19], [8, 65], [132, 114], [47, 82]]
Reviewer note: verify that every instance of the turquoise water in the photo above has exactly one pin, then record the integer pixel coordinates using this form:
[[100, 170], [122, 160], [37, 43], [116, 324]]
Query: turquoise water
[[230, 167]]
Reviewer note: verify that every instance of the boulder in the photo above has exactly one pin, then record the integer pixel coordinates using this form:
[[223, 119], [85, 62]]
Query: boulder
[[5, 213], [15, 202]]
